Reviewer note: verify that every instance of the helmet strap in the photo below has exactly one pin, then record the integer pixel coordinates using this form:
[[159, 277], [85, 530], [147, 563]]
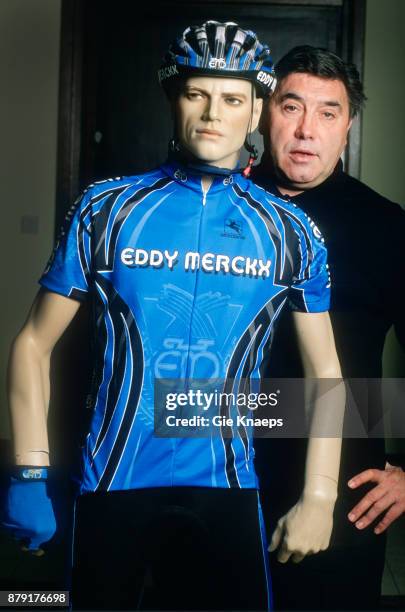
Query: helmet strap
[[177, 154], [173, 147], [249, 146], [253, 155]]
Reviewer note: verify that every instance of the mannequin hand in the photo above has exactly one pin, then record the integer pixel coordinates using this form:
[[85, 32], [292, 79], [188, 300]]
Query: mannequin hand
[[28, 514], [305, 529], [388, 494]]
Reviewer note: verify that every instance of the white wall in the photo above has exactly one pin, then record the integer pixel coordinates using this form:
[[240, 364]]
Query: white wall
[[384, 130], [384, 77], [29, 65]]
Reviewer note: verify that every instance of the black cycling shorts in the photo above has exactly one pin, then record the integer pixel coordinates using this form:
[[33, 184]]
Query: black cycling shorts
[[170, 548]]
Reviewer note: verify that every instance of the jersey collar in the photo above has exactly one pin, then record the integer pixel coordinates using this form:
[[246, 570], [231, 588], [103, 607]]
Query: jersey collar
[[191, 178]]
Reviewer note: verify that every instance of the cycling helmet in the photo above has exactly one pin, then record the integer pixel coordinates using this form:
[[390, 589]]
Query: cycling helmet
[[219, 49]]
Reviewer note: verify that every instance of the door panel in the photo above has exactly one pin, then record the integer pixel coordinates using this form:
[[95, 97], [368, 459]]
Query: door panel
[[127, 122], [114, 119]]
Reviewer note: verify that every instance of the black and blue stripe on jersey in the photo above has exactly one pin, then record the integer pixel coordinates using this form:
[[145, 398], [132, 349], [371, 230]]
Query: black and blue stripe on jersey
[[184, 284]]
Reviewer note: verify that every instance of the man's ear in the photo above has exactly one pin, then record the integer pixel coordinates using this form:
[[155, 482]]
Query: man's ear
[[349, 125], [256, 112]]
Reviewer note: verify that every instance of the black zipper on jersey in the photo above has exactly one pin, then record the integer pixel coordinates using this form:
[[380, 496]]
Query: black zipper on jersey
[[197, 272]]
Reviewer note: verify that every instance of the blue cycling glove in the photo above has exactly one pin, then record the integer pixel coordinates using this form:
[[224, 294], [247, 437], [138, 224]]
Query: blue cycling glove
[[28, 512]]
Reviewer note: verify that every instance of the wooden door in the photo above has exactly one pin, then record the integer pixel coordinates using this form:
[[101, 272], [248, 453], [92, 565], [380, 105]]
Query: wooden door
[[114, 118], [127, 122]]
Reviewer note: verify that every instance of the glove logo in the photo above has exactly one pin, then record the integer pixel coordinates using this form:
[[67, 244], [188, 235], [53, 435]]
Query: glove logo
[[32, 473]]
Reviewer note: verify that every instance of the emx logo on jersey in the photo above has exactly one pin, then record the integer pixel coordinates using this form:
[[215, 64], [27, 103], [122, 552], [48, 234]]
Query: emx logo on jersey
[[233, 229]]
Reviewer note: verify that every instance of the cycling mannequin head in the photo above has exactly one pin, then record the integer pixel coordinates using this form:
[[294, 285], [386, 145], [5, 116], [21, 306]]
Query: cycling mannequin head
[[213, 117], [215, 76]]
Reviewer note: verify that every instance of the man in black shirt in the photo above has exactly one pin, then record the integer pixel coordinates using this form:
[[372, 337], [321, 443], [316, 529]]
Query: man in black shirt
[[305, 129]]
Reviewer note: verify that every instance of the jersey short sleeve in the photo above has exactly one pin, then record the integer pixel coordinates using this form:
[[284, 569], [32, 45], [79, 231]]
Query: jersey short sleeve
[[310, 288], [68, 269]]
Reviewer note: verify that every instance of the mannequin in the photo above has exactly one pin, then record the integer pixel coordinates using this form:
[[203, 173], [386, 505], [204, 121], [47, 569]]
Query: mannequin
[[213, 115], [308, 524]]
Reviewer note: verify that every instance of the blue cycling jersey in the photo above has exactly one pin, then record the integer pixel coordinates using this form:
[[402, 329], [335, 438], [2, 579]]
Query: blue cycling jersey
[[184, 284]]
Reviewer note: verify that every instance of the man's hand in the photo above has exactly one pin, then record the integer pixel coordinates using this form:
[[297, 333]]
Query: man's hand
[[388, 494], [305, 529]]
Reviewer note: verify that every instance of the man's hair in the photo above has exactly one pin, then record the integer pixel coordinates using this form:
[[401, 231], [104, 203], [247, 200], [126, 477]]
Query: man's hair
[[325, 64]]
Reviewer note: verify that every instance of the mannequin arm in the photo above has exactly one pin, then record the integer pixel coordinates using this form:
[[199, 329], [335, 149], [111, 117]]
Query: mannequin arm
[[307, 527], [28, 375]]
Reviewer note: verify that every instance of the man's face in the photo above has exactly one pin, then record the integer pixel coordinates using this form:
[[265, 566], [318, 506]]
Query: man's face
[[308, 125], [213, 116]]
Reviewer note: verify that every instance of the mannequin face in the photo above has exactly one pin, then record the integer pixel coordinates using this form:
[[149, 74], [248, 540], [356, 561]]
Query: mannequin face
[[213, 118], [307, 129]]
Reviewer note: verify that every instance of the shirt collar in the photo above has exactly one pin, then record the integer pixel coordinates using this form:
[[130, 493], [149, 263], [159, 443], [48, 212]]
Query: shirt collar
[[264, 175]]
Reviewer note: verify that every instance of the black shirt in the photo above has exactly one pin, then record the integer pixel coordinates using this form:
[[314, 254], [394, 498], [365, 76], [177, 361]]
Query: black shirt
[[364, 234]]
